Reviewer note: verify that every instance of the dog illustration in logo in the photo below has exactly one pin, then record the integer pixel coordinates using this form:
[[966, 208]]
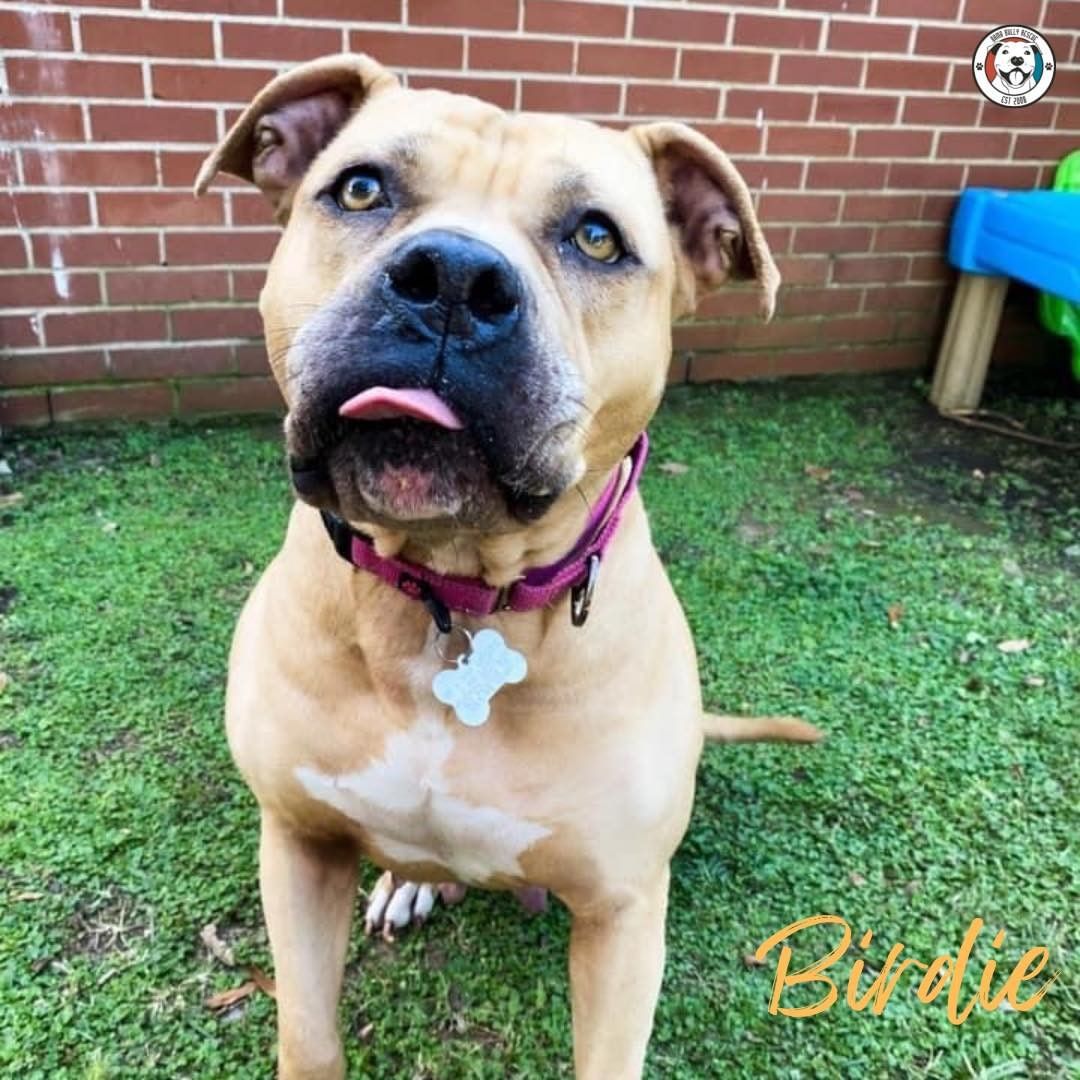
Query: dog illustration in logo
[[1014, 66]]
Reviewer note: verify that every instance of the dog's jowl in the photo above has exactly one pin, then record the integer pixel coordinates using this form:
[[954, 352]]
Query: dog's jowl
[[469, 316]]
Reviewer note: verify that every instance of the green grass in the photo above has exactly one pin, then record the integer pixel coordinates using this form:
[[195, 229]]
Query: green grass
[[947, 790]]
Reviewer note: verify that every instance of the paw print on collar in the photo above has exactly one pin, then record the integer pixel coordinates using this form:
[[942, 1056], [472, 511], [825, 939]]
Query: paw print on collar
[[481, 672]]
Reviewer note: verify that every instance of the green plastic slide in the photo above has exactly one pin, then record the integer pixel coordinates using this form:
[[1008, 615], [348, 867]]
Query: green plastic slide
[[1059, 316]]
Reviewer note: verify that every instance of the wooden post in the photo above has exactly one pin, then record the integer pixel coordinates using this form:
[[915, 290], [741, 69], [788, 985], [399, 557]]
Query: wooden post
[[968, 342]]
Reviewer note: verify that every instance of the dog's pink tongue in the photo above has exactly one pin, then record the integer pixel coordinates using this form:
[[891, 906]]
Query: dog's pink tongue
[[383, 403]]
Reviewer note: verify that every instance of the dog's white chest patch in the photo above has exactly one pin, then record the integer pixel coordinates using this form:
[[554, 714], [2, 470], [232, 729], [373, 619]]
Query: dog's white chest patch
[[404, 803]]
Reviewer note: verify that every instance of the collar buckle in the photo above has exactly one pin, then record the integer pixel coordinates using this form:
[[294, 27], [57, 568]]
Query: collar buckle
[[582, 593]]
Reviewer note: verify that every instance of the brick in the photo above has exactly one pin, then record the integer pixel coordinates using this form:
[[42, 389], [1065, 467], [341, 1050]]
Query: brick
[[831, 239], [671, 24], [517, 54], [709, 64], [415, 50], [858, 328], [170, 362], [146, 37], [49, 290], [491, 15], [273, 41], [388, 11], [848, 7], [818, 301], [1038, 115], [250, 209], [24, 410], [988, 13], [166, 286], [228, 247], [938, 208], [856, 108], [37, 123], [50, 77], [251, 359], [714, 367], [89, 168], [38, 31], [803, 269], [218, 7], [1005, 176], [847, 35], [846, 175], [19, 331], [180, 167], [246, 284], [929, 268], [106, 326], [570, 97], [945, 41], [225, 396], [776, 32], [1060, 15], [778, 237], [216, 83], [155, 208], [920, 9], [157, 123], [96, 248], [500, 92], [907, 74], [1049, 146], [733, 301], [212, 323], [70, 405], [869, 268], [818, 140], [770, 104], [974, 144], [48, 369], [902, 296], [781, 207], [874, 207], [939, 111], [819, 70], [663, 99], [733, 138], [576, 19], [678, 369], [927, 323], [12, 251], [910, 237], [635, 61], [893, 143], [921, 175], [775, 175], [29, 210]]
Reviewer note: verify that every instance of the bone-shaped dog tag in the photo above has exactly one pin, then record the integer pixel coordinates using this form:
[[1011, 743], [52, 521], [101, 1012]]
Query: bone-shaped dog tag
[[482, 671]]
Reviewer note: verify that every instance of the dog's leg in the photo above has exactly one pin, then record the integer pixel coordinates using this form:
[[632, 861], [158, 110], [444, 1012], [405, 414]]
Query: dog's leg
[[308, 892], [616, 964]]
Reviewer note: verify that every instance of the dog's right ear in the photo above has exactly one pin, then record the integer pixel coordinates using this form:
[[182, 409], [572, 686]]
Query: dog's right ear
[[290, 121]]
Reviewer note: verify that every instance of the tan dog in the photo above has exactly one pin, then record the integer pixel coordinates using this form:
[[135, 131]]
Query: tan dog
[[469, 317]]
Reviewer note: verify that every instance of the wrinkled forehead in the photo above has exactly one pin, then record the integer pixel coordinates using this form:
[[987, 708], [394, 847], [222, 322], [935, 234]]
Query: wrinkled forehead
[[450, 149]]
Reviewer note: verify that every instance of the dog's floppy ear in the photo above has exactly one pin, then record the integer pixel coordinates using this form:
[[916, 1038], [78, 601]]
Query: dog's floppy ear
[[290, 121], [711, 214]]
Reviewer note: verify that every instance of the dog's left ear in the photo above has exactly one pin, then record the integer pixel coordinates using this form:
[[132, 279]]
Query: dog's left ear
[[290, 121], [711, 213]]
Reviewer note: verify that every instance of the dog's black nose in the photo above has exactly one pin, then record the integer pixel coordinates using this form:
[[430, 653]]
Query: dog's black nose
[[1018, 60], [456, 284]]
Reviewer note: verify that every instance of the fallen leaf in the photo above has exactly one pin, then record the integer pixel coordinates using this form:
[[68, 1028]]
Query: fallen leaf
[[1014, 646], [895, 613], [365, 1032], [856, 879], [5, 681], [751, 961], [247, 569], [816, 472], [109, 527], [155, 461], [27, 897], [674, 468], [5, 468], [217, 948], [263, 982], [226, 999], [13, 499], [1035, 680], [978, 474]]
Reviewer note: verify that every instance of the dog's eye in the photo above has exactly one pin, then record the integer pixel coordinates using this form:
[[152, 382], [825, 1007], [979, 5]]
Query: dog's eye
[[597, 238], [359, 189]]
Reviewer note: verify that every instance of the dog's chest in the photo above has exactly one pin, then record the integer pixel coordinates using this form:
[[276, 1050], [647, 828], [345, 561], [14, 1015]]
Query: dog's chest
[[405, 802]]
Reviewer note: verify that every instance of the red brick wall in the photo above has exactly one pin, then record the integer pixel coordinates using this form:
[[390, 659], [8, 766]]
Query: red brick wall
[[856, 121]]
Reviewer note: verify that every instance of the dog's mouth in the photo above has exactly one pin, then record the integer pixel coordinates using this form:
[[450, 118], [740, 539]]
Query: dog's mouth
[[395, 456], [1016, 75]]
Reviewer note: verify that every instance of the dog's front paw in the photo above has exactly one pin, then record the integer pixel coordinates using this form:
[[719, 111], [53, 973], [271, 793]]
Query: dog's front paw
[[395, 904]]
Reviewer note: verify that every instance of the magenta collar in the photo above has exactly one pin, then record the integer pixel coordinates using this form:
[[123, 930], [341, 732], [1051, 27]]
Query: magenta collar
[[536, 588]]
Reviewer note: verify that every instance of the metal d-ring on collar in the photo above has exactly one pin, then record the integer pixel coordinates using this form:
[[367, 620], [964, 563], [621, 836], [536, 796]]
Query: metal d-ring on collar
[[581, 594]]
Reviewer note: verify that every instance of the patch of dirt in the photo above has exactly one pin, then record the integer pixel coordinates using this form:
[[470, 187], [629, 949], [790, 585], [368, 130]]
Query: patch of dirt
[[112, 923], [9, 740], [123, 742], [8, 595]]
